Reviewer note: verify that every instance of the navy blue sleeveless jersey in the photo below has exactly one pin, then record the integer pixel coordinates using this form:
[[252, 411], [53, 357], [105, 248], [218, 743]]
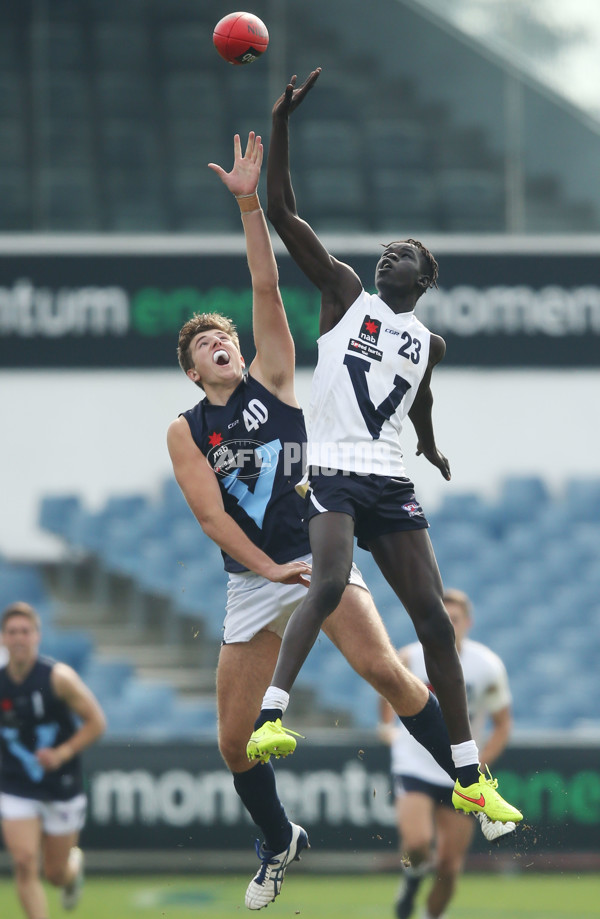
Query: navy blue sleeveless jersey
[[255, 445], [32, 717]]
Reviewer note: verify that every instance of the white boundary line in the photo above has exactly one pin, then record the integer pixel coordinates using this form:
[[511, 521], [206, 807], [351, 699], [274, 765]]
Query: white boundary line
[[230, 244]]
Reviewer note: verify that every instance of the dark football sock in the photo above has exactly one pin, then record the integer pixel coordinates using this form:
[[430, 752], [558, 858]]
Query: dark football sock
[[258, 792], [429, 728], [468, 775], [267, 714]]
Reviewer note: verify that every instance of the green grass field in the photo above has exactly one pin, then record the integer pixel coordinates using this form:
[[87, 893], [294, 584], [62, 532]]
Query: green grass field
[[479, 896]]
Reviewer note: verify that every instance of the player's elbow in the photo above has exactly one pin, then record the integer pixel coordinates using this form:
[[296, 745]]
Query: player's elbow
[[277, 211]]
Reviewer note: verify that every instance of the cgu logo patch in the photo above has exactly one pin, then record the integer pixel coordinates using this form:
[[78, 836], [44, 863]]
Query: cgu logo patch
[[369, 330]]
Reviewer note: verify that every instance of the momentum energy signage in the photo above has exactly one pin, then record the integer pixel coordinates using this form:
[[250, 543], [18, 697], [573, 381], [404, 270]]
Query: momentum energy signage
[[147, 796], [113, 309]]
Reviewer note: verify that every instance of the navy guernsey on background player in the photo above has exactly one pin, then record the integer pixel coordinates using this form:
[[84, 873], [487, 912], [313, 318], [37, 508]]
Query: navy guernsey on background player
[[254, 444], [32, 718], [47, 717]]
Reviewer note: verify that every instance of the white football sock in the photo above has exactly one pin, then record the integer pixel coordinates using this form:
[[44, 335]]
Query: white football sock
[[275, 698], [465, 754]]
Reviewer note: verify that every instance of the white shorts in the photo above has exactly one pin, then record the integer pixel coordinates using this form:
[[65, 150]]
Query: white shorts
[[59, 818], [255, 603]]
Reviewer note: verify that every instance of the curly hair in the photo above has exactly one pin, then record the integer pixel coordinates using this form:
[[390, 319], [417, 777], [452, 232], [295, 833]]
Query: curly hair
[[201, 322], [431, 262]]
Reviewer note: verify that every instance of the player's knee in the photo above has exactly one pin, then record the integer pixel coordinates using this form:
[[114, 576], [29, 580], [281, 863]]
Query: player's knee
[[233, 751], [448, 865], [434, 629], [25, 864], [418, 849], [327, 592], [56, 874], [385, 674]]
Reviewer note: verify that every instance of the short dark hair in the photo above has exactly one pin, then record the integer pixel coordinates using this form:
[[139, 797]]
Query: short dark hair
[[21, 609]]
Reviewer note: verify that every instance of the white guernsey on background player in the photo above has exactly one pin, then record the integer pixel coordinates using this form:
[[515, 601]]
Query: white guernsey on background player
[[434, 837], [252, 511], [375, 365]]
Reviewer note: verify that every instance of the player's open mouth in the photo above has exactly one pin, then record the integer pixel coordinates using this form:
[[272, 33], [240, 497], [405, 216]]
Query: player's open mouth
[[221, 358], [384, 264]]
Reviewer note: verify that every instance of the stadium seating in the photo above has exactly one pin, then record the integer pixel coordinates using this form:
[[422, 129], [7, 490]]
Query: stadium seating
[[428, 165], [535, 593]]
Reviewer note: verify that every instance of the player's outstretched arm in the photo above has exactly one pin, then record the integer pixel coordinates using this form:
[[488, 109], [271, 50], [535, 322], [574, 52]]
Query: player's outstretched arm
[[201, 490], [420, 412], [338, 283], [273, 365]]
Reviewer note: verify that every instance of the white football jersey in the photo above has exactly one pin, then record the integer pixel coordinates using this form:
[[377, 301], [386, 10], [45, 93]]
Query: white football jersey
[[369, 370], [487, 692]]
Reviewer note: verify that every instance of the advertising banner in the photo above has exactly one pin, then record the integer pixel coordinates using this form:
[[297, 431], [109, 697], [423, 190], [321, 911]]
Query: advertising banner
[[167, 796], [103, 309]]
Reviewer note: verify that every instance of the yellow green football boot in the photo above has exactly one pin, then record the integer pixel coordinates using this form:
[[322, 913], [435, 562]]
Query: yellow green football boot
[[271, 739]]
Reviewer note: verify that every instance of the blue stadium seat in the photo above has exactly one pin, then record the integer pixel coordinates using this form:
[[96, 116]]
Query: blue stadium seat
[[530, 493], [337, 683], [124, 507], [470, 199], [329, 142], [155, 568], [71, 647], [397, 141], [148, 701], [171, 498], [15, 194], [461, 507], [189, 720], [107, 678], [199, 593], [12, 143], [405, 198], [582, 496], [366, 706], [121, 46], [124, 94], [59, 46], [23, 582], [458, 541], [56, 511]]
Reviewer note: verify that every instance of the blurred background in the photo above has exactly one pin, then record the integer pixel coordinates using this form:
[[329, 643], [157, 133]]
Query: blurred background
[[471, 124]]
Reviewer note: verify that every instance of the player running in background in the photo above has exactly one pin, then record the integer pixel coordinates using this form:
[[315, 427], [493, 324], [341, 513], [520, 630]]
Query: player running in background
[[423, 791], [374, 368], [236, 456], [42, 804]]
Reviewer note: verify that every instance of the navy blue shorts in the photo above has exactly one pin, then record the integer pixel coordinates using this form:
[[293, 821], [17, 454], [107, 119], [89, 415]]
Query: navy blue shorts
[[378, 504], [441, 794]]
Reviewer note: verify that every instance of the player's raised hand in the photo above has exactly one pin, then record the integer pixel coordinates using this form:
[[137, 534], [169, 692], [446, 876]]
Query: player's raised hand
[[244, 176], [436, 459], [292, 97], [290, 573]]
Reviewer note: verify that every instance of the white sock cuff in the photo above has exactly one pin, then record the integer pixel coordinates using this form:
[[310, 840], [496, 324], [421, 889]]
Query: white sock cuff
[[276, 698], [465, 754]]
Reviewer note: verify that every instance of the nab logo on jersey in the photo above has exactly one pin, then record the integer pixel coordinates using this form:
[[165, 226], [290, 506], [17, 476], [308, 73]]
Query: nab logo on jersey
[[370, 329]]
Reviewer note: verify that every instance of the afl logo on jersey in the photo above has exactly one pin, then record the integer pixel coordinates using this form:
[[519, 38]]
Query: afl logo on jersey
[[369, 330], [245, 459]]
